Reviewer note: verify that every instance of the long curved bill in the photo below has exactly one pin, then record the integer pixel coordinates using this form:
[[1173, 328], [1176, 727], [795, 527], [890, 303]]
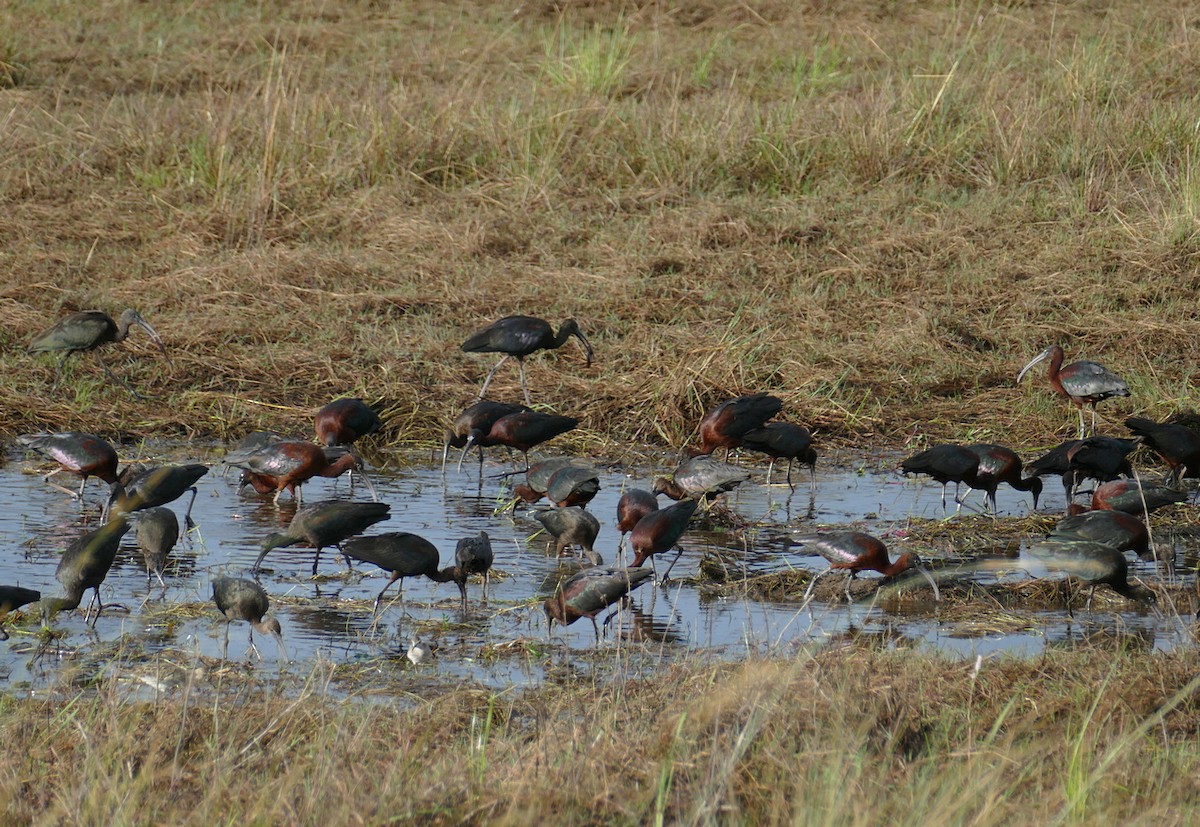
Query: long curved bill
[[467, 447], [1032, 362], [587, 346]]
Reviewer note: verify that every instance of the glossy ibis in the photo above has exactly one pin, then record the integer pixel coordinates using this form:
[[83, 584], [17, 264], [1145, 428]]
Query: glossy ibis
[[1097, 458], [1178, 445], [1082, 382], [590, 591], [519, 336], [572, 485], [702, 477], [946, 464], [14, 597], [1132, 498], [728, 423], [634, 504], [88, 330], [474, 423], [854, 551], [1122, 531], [85, 455], [156, 486], [537, 476], [573, 526], [783, 440], [998, 464], [1096, 563], [157, 531], [402, 555], [343, 421], [287, 465], [249, 444], [660, 531], [323, 524], [241, 599], [522, 431], [84, 565], [473, 555]]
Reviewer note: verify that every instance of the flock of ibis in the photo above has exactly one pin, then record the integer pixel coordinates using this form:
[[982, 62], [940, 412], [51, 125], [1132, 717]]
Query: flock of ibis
[[1088, 544]]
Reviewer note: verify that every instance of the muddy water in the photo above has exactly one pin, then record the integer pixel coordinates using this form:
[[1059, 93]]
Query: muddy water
[[328, 621]]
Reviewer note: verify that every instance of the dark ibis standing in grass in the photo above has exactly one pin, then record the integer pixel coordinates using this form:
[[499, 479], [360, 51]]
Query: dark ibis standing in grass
[[521, 431], [1122, 531], [946, 464], [726, 425], [854, 551], [1134, 498], [157, 486], [402, 555], [85, 455], [287, 465], [88, 330], [343, 421], [998, 464], [590, 591], [702, 477], [84, 565], [473, 555], [323, 524], [572, 485], [783, 440], [1090, 561], [1082, 382], [1178, 445], [537, 476], [474, 423], [14, 597], [573, 526], [634, 504], [660, 531], [157, 532], [518, 337], [241, 599]]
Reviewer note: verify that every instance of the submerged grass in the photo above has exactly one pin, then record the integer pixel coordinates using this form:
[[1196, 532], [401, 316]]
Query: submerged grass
[[849, 734], [877, 210]]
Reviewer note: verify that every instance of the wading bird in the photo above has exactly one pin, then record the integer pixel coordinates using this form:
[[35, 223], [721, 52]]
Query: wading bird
[[633, 505], [84, 455], [343, 421], [1097, 458], [157, 532], [726, 425], [14, 597], [660, 531], [241, 599], [1122, 531], [522, 431], [1082, 382], [783, 440], [537, 476], [702, 477], [589, 592], [946, 464], [1095, 563], [473, 555], [574, 526], [518, 337], [287, 465], [998, 464], [1178, 445], [474, 423], [324, 524], [402, 555], [854, 551], [573, 486], [1134, 498], [88, 330], [157, 486], [84, 565]]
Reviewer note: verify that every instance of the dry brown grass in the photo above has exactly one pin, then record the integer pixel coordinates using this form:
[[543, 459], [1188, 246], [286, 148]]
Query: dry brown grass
[[877, 210]]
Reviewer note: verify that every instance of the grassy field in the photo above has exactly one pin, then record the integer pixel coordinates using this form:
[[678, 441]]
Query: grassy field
[[876, 210]]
